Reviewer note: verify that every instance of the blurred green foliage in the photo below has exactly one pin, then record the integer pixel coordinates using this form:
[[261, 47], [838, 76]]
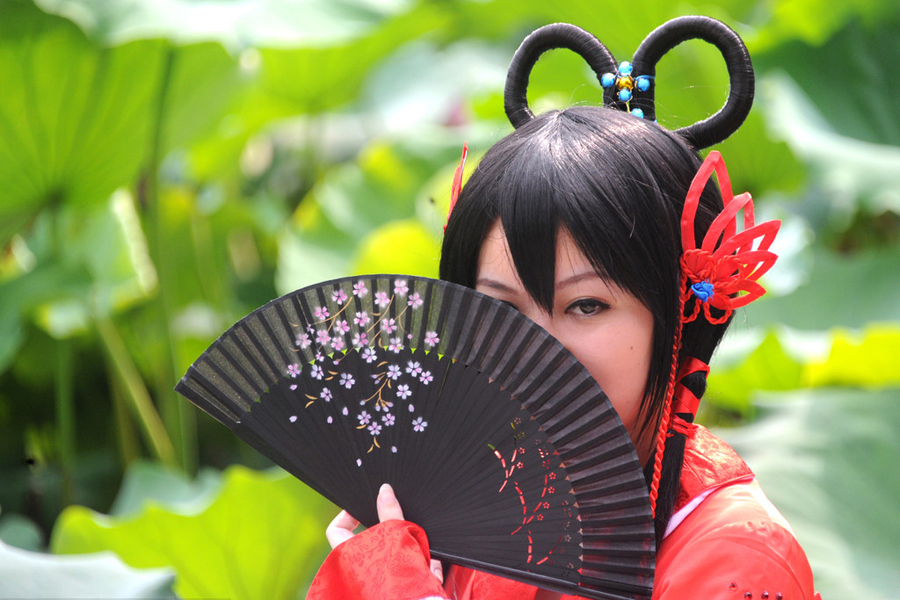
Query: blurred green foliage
[[165, 168]]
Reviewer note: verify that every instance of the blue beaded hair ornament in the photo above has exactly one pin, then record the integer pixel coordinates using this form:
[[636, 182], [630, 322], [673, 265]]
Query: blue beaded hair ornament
[[630, 86]]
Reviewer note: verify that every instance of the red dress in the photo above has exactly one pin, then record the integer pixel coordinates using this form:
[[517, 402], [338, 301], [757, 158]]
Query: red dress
[[725, 540]]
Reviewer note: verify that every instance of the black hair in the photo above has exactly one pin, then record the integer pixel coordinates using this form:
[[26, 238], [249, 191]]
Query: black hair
[[617, 184]]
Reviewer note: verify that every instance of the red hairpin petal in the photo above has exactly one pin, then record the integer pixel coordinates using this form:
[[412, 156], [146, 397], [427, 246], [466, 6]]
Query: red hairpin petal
[[457, 182], [716, 275]]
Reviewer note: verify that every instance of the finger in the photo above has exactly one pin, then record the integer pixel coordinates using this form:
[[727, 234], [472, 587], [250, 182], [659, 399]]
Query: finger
[[388, 507], [438, 570], [341, 528]]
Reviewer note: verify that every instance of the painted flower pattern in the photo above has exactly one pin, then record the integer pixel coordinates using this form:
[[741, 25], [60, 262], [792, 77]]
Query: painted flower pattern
[[413, 368], [389, 326], [303, 341], [356, 328], [361, 340]]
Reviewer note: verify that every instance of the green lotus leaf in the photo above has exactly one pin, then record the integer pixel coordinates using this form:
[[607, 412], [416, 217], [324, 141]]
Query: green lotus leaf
[[26, 574], [261, 537], [827, 458], [236, 24]]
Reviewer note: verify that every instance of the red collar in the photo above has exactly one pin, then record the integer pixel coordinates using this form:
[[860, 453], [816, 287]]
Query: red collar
[[709, 463]]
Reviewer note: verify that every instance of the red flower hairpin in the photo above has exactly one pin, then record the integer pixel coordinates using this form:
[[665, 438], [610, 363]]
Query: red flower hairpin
[[457, 182], [717, 275]]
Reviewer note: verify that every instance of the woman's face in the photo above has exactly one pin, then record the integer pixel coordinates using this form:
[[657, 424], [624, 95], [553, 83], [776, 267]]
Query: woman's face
[[608, 330]]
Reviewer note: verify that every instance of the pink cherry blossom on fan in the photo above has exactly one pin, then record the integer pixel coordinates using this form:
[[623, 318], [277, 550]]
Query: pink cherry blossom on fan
[[431, 338], [415, 300], [339, 296], [389, 326], [419, 424], [414, 368], [322, 313], [302, 340], [369, 355], [400, 287], [381, 299], [362, 319]]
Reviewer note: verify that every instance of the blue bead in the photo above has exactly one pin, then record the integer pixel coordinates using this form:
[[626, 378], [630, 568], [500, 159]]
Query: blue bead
[[624, 95], [638, 113], [642, 83], [607, 80], [703, 290], [625, 68]]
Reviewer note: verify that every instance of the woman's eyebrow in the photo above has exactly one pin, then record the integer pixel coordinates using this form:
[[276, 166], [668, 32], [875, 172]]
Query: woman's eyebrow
[[494, 284], [577, 278]]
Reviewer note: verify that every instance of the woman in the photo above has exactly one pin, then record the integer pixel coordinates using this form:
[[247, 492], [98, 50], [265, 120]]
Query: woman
[[593, 222]]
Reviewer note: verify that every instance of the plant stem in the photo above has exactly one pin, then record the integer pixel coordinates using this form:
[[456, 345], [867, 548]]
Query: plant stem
[[179, 420], [136, 392], [65, 415], [125, 432]]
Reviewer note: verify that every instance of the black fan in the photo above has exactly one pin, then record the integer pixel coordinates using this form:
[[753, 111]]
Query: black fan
[[495, 439]]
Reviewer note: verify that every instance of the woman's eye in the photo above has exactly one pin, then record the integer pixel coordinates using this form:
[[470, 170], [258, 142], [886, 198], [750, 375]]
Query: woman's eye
[[587, 307]]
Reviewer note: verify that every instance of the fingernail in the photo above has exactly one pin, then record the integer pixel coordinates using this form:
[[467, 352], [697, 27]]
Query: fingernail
[[386, 489]]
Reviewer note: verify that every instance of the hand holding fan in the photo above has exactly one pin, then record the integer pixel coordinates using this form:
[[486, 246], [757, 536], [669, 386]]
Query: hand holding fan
[[497, 442]]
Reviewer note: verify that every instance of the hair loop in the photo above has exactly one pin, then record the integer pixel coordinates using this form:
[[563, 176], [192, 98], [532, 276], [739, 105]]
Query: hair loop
[[726, 121], [549, 37], [640, 88]]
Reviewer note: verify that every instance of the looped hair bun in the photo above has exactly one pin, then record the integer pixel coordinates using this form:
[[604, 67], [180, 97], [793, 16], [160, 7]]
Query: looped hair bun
[[631, 86]]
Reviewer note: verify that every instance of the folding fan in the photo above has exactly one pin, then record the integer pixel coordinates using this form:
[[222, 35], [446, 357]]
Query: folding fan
[[497, 442]]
